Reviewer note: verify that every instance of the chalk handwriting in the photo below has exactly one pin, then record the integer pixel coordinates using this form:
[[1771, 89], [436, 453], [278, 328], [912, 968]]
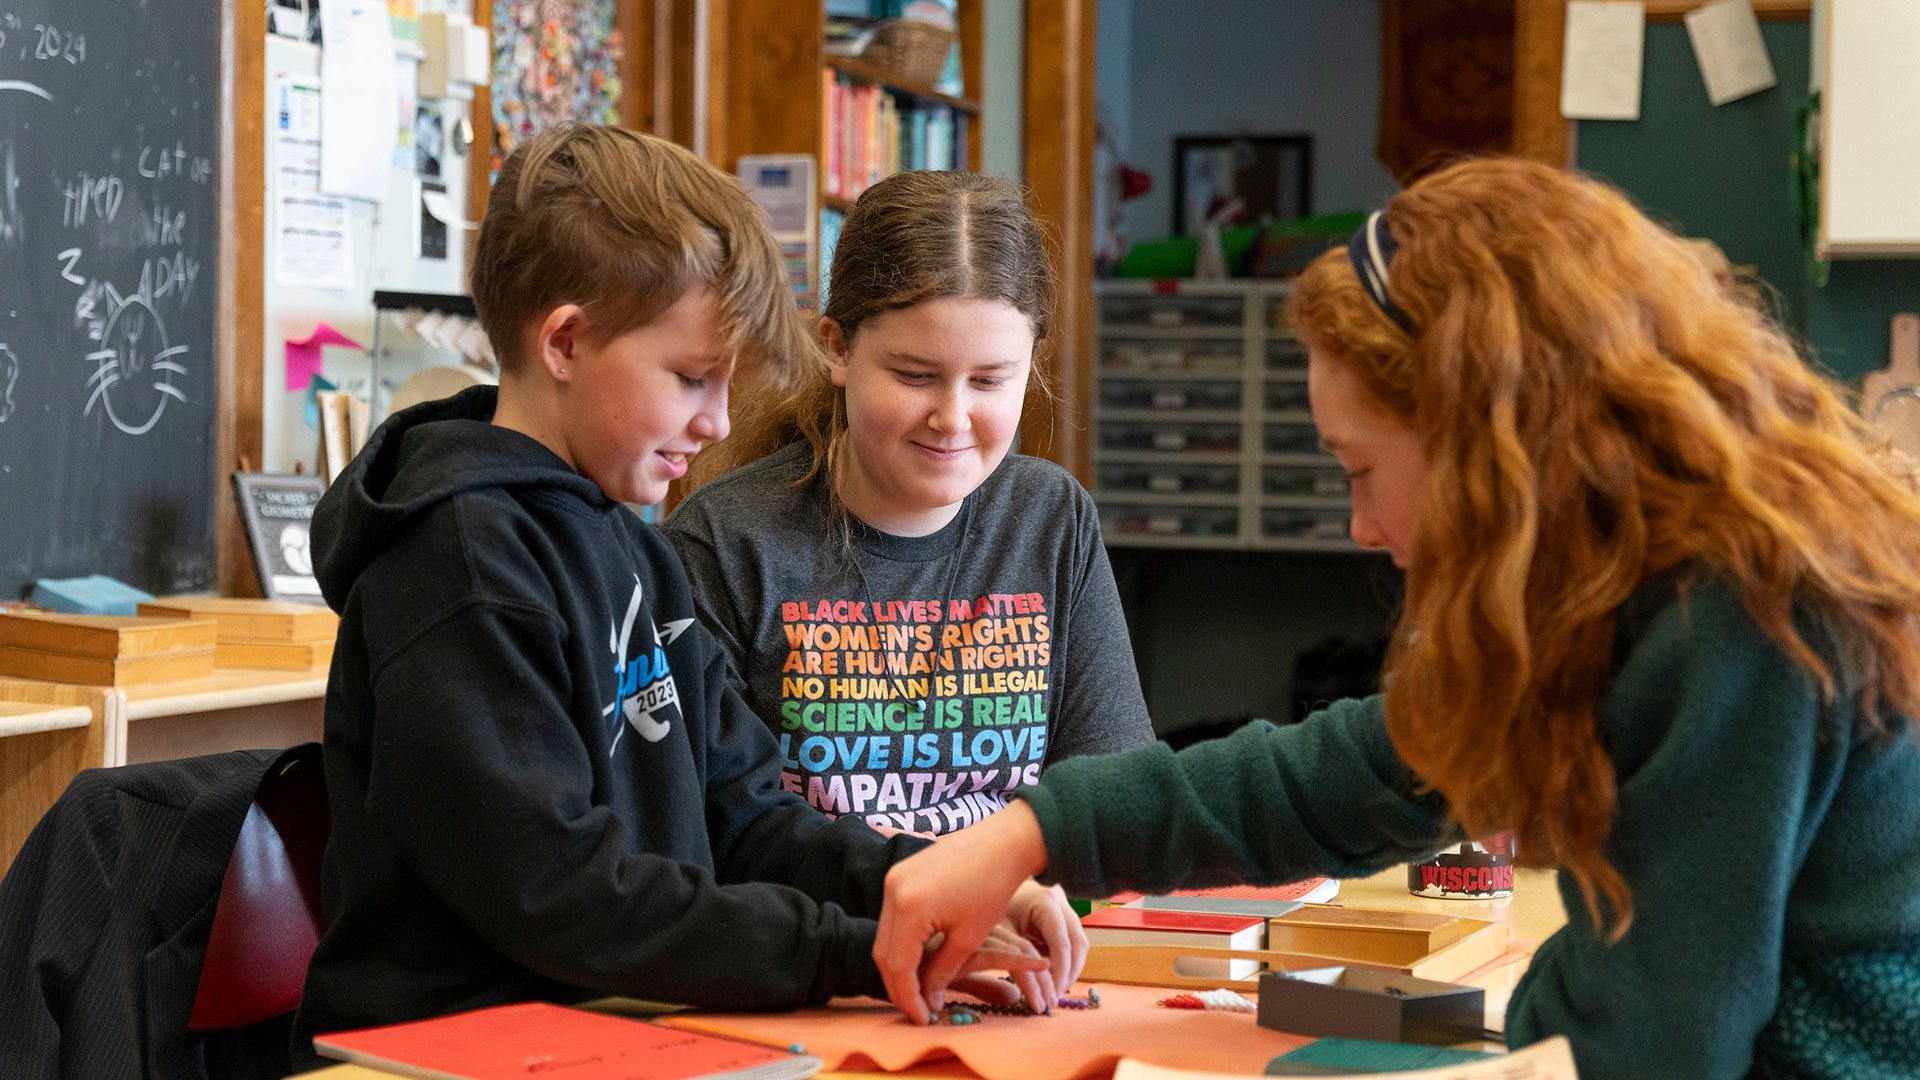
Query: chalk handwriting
[[56, 44], [161, 276], [98, 195], [160, 162], [67, 259], [166, 227], [11, 223], [9, 375]]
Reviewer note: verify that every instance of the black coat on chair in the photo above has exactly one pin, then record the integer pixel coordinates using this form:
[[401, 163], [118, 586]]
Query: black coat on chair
[[106, 912]]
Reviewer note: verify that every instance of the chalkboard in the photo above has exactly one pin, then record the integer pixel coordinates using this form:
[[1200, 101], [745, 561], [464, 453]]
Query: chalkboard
[[1724, 173], [108, 242]]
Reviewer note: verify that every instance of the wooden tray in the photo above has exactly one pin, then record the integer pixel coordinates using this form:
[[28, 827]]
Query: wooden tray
[[1437, 947]]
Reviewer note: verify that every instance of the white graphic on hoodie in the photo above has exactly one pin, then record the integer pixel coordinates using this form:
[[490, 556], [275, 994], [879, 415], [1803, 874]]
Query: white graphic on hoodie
[[647, 696]]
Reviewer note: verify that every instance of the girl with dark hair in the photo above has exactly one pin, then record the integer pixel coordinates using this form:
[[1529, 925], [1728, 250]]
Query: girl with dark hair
[[1662, 621], [925, 618]]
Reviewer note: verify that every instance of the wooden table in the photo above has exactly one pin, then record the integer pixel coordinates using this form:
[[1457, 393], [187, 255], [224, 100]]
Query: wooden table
[[235, 709], [50, 731], [1533, 911]]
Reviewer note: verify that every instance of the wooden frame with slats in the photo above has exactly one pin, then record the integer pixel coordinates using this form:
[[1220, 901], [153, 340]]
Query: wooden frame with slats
[[241, 310], [1057, 151]]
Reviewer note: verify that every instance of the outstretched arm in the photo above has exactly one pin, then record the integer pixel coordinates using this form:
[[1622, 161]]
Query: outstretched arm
[[1327, 796]]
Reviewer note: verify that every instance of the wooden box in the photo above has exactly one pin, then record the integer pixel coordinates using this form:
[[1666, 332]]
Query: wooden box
[[1437, 947], [251, 620], [1416, 943], [259, 633], [105, 650]]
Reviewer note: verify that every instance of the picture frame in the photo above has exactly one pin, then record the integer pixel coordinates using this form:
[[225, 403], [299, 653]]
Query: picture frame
[[1271, 174], [276, 510]]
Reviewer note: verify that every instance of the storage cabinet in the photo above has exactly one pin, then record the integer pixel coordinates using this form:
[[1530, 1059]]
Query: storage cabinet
[[1201, 431]]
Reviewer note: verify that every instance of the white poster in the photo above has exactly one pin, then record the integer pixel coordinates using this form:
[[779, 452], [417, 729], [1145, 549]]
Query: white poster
[[357, 87], [312, 247], [1732, 54], [1606, 41]]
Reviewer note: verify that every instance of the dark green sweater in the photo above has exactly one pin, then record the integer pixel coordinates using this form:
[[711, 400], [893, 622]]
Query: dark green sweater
[[1773, 854]]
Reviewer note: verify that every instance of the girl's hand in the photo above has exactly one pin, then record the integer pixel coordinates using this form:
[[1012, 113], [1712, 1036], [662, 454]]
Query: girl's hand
[[1005, 950], [957, 890], [1041, 914]]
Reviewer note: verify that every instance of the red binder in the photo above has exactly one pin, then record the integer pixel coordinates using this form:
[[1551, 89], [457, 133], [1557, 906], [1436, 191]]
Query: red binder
[[534, 1039]]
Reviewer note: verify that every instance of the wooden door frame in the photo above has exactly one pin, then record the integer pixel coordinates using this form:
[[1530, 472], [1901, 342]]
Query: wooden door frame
[[1057, 139], [240, 305]]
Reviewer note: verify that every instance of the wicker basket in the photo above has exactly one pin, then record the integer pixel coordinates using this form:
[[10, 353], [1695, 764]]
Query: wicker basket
[[909, 50]]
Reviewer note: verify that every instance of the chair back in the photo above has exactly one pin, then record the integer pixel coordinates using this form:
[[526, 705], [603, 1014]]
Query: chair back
[[268, 918]]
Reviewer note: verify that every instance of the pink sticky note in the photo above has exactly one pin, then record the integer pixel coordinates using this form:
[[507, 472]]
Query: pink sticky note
[[303, 354]]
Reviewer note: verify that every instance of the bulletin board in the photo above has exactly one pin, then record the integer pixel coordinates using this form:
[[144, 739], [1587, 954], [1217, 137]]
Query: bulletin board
[[386, 252]]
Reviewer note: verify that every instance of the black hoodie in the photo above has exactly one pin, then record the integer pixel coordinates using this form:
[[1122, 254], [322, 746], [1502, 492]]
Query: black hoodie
[[542, 786]]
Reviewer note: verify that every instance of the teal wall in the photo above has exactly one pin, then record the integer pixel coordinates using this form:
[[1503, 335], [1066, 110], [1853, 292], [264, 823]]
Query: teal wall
[[1726, 174], [1721, 173], [1849, 318]]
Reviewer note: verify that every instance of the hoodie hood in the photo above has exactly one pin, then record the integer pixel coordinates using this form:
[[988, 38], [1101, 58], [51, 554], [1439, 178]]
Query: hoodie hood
[[417, 458]]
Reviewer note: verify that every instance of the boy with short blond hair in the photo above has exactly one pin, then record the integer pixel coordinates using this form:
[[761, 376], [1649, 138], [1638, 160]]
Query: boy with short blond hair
[[542, 786]]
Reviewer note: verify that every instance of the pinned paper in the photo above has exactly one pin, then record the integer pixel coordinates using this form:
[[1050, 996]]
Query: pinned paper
[[442, 209], [1732, 54], [357, 99], [303, 354], [1606, 42]]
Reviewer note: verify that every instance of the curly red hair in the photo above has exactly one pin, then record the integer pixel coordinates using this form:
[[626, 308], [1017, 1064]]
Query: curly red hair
[[1595, 409]]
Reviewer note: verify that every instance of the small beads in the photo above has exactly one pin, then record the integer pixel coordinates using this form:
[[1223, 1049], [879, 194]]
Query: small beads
[[1211, 999], [971, 1012]]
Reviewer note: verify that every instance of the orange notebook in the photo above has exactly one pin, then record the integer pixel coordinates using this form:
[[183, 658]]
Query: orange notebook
[[535, 1039]]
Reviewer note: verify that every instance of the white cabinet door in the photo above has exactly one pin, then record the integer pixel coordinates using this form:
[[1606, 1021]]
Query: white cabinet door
[[1870, 169]]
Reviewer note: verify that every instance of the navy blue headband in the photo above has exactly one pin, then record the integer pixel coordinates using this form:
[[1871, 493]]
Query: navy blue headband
[[1370, 251]]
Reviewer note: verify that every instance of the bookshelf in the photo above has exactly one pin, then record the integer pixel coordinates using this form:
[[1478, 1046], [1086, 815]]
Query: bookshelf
[[774, 93]]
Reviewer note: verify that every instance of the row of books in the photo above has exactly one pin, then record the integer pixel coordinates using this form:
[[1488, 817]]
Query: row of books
[[871, 132], [830, 222]]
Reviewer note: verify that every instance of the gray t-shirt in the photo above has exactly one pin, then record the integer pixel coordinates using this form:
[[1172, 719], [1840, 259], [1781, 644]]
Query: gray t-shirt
[[916, 681]]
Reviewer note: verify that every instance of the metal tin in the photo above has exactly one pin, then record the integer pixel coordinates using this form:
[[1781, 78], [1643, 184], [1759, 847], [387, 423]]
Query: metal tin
[[1474, 870]]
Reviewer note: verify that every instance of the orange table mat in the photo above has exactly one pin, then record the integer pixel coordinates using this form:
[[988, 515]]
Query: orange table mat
[[862, 1034]]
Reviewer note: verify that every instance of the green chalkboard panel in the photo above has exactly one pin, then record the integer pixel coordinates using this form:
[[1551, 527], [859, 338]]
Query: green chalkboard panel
[[108, 240], [1721, 173], [1726, 174]]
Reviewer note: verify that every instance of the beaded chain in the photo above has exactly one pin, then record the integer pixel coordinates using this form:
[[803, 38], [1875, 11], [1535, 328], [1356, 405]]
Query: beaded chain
[[970, 1012], [1209, 999]]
